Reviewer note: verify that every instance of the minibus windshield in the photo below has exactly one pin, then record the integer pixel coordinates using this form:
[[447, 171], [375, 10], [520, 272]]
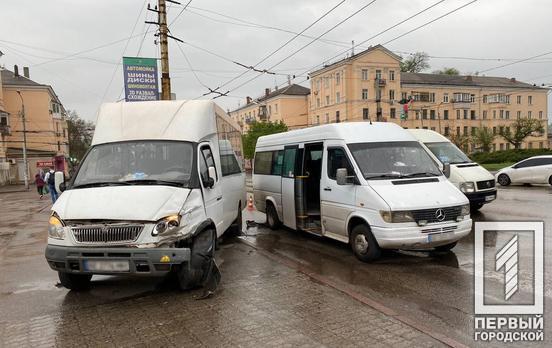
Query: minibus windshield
[[400, 159], [447, 153], [141, 162]]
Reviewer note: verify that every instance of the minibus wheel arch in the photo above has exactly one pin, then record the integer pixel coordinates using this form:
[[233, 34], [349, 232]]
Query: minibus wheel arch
[[354, 222]]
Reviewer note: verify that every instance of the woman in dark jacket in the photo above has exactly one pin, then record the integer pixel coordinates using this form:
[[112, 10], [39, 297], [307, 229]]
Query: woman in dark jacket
[[39, 184]]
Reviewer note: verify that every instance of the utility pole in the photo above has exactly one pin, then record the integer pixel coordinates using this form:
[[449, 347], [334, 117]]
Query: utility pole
[[26, 176], [163, 40]]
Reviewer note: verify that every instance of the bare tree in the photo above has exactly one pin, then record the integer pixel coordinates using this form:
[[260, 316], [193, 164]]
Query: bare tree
[[523, 127], [415, 63]]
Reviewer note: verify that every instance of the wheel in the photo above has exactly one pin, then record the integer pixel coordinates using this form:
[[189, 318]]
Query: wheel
[[236, 228], [474, 207], [446, 247], [272, 219], [192, 274], [364, 245], [504, 180], [76, 282], [550, 180]]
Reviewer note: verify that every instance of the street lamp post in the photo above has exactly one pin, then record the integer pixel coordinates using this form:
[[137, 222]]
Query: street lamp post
[[26, 176]]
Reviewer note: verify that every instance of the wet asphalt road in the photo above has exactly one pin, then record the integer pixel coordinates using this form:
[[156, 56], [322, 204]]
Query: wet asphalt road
[[434, 288]]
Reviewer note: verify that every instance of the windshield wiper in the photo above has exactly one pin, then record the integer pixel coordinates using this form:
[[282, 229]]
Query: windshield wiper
[[154, 182], [384, 175], [411, 175], [102, 183]]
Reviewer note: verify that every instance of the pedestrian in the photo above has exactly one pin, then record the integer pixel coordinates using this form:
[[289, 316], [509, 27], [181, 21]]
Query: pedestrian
[[49, 178], [39, 184]]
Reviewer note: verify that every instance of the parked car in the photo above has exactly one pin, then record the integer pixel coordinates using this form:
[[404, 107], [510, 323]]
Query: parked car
[[473, 180], [161, 181], [534, 170], [370, 185]]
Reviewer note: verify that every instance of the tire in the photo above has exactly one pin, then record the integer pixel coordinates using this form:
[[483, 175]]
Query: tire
[[474, 207], [364, 245], [236, 228], [446, 247], [192, 274], [550, 180], [504, 180], [272, 219], [75, 282]]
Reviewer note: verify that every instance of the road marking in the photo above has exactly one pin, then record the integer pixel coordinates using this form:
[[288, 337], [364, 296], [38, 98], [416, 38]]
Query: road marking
[[355, 295]]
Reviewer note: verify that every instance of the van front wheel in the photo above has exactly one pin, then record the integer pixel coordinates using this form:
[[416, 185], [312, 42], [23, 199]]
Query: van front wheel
[[76, 282], [193, 274], [364, 245], [272, 219]]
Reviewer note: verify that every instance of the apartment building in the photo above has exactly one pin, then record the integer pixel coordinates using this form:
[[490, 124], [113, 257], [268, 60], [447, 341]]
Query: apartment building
[[369, 86], [46, 127], [287, 104]]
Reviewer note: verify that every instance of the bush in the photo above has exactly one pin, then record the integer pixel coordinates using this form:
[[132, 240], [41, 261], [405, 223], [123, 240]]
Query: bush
[[508, 155]]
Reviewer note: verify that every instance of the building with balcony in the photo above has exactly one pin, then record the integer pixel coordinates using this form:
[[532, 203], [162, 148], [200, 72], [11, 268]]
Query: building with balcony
[[287, 104], [369, 86], [46, 127]]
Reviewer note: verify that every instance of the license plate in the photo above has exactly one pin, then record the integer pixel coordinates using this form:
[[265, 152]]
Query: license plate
[[490, 198], [437, 237], [106, 266]]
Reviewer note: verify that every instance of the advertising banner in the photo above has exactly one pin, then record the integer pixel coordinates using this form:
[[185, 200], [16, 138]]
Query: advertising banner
[[141, 82]]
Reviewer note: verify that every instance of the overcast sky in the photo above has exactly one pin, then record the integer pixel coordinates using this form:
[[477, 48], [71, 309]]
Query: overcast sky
[[42, 34]]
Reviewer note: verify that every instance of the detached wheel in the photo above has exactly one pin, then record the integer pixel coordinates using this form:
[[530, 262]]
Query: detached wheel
[[364, 245], [192, 274], [446, 247], [504, 180], [272, 219], [75, 282]]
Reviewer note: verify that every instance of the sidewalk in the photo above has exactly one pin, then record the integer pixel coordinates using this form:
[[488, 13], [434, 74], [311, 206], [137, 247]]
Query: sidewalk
[[15, 188]]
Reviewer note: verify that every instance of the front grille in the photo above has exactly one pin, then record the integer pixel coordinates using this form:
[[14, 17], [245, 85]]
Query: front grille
[[486, 184], [431, 215], [106, 233]]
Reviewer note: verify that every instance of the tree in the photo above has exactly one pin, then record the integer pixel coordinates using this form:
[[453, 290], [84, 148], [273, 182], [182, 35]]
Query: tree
[[415, 63], [80, 134], [256, 130], [461, 141], [523, 127], [447, 71], [483, 139]]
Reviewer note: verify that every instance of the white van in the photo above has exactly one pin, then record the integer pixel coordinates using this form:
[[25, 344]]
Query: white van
[[370, 185], [161, 181], [473, 180]]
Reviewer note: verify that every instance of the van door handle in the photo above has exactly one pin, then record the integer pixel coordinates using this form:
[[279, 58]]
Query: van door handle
[[219, 198], [327, 188]]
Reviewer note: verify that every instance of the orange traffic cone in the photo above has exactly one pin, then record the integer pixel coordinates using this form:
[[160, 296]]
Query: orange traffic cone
[[250, 205]]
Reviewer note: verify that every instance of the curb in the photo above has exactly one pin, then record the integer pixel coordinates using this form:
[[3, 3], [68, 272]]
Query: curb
[[356, 295]]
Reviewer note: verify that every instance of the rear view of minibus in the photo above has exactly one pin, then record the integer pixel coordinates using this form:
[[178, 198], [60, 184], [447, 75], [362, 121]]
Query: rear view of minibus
[[473, 180], [372, 186]]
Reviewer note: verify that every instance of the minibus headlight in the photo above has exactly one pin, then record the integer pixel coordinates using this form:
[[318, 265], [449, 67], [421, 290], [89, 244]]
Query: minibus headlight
[[166, 224], [465, 210], [467, 187], [55, 228], [396, 216]]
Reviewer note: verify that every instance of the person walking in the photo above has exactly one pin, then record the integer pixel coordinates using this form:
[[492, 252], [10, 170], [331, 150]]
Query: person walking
[[49, 178], [39, 184]]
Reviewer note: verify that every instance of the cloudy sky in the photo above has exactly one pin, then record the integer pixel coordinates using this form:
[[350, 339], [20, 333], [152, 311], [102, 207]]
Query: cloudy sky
[[76, 46]]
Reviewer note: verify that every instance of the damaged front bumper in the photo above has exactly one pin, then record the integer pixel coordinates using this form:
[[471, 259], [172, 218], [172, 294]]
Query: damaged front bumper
[[138, 261]]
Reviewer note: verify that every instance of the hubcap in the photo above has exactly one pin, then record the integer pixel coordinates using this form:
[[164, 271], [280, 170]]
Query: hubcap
[[502, 179], [361, 244]]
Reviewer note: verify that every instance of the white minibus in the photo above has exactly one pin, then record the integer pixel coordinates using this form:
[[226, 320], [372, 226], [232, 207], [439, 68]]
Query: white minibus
[[161, 181], [473, 180], [370, 185]]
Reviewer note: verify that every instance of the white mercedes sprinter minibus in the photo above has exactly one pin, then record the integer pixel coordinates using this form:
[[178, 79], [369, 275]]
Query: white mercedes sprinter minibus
[[473, 180], [370, 185], [161, 181]]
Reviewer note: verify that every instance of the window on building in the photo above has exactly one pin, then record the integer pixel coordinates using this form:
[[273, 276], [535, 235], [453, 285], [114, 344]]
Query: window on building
[[540, 115], [337, 78], [465, 114], [432, 114], [465, 130], [485, 114], [484, 99], [365, 74], [445, 98], [391, 94], [457, 114], [518, 99], [403, 95], [494, 130], [3, 120], [446, 131], [494, 114], [507, 146], [473, 130], [317, 119], [432, 97], [327, 100], [59, 146], [393, 113], [317, 102], [457, 131], [507, 114], [378, 94], [326, 82], [364, 94], [365, 114], [445, 114], [529, 114], [463, 97], [378, 74], [472, 114], [327, 118], [391, 75], [424, 114], [498, 98], [501, 114], [530, 100], [337, 97], [519, 115], [337, 120]]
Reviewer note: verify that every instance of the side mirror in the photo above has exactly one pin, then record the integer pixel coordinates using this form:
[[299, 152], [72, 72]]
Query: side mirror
[[59, 179], [446, 170], [212, 177], [341, 177]]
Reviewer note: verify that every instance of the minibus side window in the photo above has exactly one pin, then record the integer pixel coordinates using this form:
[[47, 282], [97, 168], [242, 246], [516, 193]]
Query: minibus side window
[[337, 158], [263, 163], [289, 163], [206, 162], [277, 162]]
